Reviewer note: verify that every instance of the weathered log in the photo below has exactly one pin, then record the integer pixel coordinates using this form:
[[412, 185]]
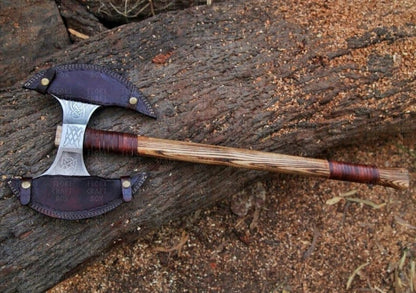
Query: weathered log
[[239, 75], [80, 23], [120, 12], [28, 32]]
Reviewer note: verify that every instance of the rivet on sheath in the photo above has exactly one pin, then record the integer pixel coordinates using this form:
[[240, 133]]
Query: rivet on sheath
[[44, 81], [26, 184], [133, 101], [126, 184]]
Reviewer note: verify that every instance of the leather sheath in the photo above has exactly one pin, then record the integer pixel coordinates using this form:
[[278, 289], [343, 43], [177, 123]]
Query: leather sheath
[[90, 84], [75, 197]]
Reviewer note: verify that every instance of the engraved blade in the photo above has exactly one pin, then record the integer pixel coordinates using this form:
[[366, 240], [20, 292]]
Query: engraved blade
[[69, 159]]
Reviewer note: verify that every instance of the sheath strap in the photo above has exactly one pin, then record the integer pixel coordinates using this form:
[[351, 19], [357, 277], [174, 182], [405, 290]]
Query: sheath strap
[[25, 190], [46, 81], [126, 188]]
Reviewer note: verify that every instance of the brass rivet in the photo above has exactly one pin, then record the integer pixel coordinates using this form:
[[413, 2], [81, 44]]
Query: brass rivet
[[126, 184], [133, 101], [44, 81], [26, 184]]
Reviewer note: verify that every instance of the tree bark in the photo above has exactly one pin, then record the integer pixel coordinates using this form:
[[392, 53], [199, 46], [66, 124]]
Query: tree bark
[[117, 12], [80, 23], [27, 33], [240, 75]]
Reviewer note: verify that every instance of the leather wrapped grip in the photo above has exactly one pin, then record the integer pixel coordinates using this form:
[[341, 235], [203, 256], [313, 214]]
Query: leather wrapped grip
[[91, 84], [75, 197]]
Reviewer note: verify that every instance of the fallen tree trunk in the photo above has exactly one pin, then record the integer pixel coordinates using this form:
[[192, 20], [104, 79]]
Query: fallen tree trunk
[[238, 75], [28, 33], [80, 23], [122, 12]]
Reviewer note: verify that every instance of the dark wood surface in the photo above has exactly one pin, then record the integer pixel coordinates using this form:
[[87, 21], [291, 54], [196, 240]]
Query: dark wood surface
[[80, 23], [28, 32], [120, 12], [237, 76]]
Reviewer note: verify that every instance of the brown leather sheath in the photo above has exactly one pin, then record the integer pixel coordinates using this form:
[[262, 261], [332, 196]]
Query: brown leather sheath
[[75, 197]]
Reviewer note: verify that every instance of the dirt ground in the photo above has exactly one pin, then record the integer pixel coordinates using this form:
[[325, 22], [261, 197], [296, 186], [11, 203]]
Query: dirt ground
[[285, 234]]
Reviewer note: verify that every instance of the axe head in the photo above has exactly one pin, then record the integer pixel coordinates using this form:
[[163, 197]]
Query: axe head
[[66, 190]]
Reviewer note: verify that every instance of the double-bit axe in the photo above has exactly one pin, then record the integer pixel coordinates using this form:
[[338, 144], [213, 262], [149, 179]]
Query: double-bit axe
[[66, 190]]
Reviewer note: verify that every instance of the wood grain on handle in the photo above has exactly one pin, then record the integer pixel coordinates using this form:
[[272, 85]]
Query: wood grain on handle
[[235, 157]]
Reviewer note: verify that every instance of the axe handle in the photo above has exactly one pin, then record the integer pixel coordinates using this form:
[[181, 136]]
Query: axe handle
[[235, 157]]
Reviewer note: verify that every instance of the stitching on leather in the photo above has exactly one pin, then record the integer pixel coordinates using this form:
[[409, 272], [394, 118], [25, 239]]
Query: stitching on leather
[[34, 78], [14, 190], [129, 85], [139, 183], [76, 215]]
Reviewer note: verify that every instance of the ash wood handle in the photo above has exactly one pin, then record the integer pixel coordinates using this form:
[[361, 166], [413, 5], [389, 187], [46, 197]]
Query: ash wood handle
[[218, 155]]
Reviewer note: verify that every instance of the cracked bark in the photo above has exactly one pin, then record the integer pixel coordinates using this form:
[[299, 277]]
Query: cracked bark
[[238, 76]]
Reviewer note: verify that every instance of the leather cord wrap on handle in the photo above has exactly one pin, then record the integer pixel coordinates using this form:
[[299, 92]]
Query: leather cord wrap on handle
[[391, 177], [110, 141], [353, 172], [75, 197]]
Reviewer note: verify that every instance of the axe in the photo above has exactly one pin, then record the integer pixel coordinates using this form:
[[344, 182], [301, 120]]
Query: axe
[[67, 191]]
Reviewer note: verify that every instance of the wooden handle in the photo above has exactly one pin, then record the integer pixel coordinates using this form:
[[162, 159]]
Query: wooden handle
[[243, 158]]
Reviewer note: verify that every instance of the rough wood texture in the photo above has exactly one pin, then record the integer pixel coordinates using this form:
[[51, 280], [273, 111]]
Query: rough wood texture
[[115, 12], [27, 33], [237, 76], [80, 23]]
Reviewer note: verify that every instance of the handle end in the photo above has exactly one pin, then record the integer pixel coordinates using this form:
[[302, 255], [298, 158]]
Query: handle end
[[397, 178]]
